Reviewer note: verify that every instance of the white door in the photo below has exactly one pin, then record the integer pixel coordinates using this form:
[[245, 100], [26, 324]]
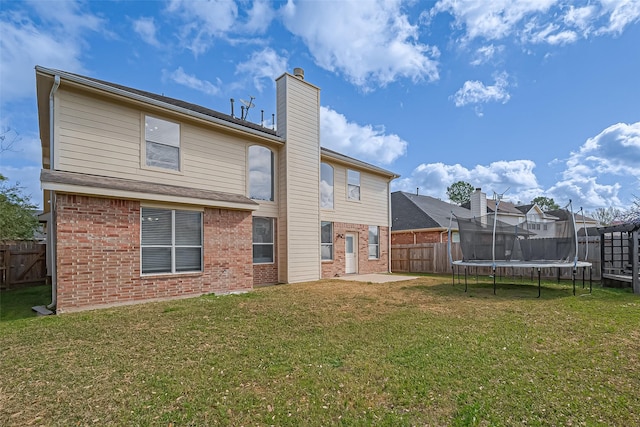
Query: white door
[[350, 254]]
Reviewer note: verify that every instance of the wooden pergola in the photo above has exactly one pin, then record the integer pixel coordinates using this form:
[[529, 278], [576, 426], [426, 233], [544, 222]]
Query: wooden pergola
[[620, 255]]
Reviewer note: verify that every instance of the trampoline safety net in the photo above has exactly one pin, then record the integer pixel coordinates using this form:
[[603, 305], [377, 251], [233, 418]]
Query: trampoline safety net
[[528, 241]]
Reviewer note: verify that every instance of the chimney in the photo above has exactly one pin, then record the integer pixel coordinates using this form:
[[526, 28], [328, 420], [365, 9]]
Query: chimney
[[299, 73], [479, 205]]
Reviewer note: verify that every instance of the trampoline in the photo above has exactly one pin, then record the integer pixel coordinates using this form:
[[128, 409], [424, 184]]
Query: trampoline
[[488, 242]]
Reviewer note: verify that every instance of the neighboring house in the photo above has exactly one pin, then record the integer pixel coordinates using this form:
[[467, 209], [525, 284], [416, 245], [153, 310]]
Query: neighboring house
[[155, 198], [423, 219], [538, 221]]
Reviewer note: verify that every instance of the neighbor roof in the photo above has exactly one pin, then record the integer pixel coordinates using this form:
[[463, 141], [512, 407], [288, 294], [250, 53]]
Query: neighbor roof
[[411, 212]]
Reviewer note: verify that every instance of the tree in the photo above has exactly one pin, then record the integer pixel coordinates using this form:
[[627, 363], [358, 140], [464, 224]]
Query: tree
[[633, 213], [607, 216], [17, 219], [460, 192], [545, 203]]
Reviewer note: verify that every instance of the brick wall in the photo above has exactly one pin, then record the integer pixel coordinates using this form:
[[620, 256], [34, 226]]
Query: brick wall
[[98, 255], [336, 267]]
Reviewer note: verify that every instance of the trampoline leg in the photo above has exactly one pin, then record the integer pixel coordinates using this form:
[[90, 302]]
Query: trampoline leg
[[590, 281], [453, 277], [465, 278], [574, 281], [494, 280], [538, 283], [583, 271]]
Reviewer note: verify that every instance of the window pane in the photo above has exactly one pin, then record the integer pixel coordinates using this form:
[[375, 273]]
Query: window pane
[[326, 251], [326, 186], [354, 192], [262, 230], [163, 156], [260, 173], [156, 260], [353, 177], [349, 245], [188, 259], [326, 232], [162, 131], [188, 228], [262, 253], [373, 251], [156, 226], [373, 234]]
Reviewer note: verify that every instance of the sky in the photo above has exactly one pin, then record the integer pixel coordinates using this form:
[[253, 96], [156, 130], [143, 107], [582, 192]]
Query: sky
[[522, 97]]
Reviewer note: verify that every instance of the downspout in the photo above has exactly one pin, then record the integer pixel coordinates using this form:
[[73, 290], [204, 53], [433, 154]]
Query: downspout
[[390, 223], [52, 225]]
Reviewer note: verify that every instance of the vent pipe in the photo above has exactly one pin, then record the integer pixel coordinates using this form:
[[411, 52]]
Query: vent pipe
[[232, 101], [299, 73]]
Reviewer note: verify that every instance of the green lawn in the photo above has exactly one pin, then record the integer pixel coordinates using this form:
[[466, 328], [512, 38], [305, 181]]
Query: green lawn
[[16, 304], [419, 352]]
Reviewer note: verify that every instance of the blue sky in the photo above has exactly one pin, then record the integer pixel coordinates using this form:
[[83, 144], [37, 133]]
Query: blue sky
[[538, 96]]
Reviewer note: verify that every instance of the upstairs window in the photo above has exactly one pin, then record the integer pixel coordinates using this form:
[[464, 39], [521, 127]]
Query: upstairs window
[[326, 186], [374, 242], [162, 146], [262, 240], [171, 241], [353, 185], [260, 173], [326, 237]]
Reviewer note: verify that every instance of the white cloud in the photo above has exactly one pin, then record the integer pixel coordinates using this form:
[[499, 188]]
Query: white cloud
[[146, 29], [372, 43], [264, 65], [516, 175], [492, 20], [621, 13], [475, 92], [57, 43], [206, 21], [364, 142], [486, 54], [554, 22], [191, 81]]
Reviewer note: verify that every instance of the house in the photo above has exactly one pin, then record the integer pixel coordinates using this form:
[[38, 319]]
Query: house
[[423, 219], [153, 198]]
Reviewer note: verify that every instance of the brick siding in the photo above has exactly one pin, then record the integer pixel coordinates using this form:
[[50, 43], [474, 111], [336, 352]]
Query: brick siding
[[98, 255], [336, 267], [267, 274]]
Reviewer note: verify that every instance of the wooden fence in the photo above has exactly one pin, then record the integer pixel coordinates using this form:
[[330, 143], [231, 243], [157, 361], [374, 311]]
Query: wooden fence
[[22, 263], [434, 258]]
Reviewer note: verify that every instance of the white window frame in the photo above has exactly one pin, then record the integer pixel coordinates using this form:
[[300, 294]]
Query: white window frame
[[272, 243], [178, 145], [272, 163], [326, 244], [376, 245], [349, 184], [173, 246]]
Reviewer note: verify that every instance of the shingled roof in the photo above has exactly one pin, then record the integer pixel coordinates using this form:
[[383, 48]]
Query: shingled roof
[[411, 212]]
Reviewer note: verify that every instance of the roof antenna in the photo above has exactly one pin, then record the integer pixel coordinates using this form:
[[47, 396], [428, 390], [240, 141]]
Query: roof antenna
[[247, 106]]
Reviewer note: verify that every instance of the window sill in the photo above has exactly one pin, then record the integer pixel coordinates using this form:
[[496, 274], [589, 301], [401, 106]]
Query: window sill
[[180, 274]]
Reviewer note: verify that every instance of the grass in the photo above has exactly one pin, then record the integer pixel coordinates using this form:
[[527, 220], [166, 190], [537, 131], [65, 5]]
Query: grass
[[16, 304], [419, 352]]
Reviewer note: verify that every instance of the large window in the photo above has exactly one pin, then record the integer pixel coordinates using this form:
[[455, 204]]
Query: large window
[[260, 173], [326, 236], [162, 143], [374, 242], [353, 185], [171, 240], [262, 240], [326, 186]]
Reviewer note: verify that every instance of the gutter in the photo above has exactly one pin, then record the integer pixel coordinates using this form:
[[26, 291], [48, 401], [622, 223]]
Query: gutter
[[52, 224]]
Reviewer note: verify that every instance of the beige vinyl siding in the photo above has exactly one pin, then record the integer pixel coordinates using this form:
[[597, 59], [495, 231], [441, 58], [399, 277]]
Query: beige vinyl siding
[[100, 137], [371, 209], [300, 110]]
